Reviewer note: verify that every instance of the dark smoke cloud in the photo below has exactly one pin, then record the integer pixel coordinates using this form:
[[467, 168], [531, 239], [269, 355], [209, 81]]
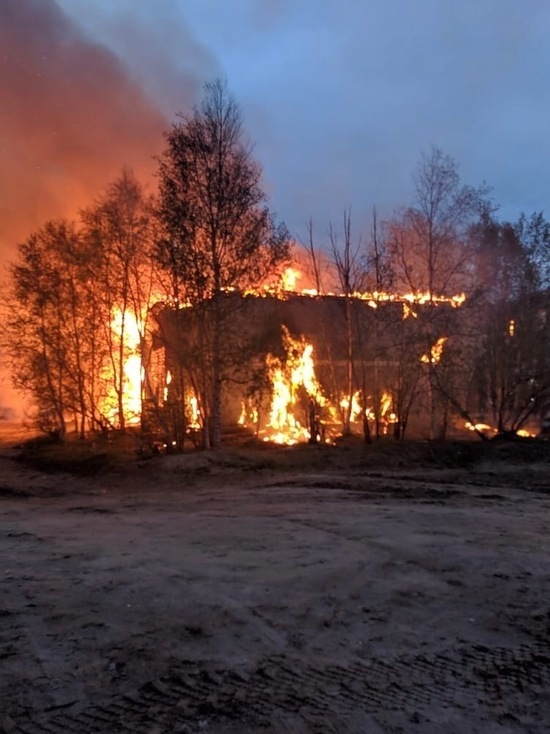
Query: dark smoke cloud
[[71, 116], [153, 40]]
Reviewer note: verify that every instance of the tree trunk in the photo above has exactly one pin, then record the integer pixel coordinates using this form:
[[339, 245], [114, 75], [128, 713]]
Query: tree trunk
[[216, 375], [349, 370]]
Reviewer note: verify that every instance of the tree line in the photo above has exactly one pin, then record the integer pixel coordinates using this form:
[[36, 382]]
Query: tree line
[[207, 229], [80, 292], [486, 362]]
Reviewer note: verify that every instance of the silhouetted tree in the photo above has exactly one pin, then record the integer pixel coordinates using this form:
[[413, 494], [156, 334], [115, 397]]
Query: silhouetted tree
[[433, 255], [346, 257], [120, 230], [48, 332], [379, 279], [218, 232], [513, 362], [534, 233]]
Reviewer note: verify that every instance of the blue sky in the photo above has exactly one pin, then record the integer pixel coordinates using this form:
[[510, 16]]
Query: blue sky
[[341, 96]]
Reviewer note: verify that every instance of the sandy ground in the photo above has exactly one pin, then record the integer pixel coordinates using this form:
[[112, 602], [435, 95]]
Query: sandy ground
[[188, 596]]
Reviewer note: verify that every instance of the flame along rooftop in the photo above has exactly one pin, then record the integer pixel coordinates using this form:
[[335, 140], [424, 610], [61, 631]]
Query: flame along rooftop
[[286, 286]]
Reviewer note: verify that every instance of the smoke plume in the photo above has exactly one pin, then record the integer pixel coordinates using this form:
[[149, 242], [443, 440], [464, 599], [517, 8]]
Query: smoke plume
[[71, 116]]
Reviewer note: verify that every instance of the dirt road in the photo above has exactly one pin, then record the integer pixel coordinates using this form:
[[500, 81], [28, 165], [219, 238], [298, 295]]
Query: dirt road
[[179, 600]]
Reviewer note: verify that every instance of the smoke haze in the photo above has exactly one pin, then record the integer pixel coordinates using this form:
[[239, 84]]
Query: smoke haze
[[71, 116]]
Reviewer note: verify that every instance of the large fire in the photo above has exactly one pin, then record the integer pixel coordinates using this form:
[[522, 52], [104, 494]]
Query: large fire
[[299, 409], [296, 396], [123, 371]]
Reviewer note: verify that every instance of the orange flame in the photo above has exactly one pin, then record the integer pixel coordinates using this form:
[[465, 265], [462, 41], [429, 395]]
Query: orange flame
[[287, 284], [298, 402], [287, 417], [293, 382], [125, 327], [435, 353]]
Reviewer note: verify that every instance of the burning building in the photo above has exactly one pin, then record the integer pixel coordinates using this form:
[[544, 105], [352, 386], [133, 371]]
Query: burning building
[[299, 366]]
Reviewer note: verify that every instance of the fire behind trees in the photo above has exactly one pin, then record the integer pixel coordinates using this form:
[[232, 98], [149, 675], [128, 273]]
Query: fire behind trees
[[218, 233], [78, 311], [76, 292], [167, 301]]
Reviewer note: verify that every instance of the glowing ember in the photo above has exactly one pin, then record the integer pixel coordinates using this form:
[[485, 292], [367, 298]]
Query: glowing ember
[[386, 408], [386, 414], [249, 414], [524, 433], [193, 413], [168, 381], [436, 352], [407, 311], [480, 427], [356, 409], [485, 428]]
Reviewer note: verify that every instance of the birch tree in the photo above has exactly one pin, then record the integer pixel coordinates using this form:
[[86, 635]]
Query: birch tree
[[347, 261], [432, 252], [218, 232], [48, 330], [119, 230]]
